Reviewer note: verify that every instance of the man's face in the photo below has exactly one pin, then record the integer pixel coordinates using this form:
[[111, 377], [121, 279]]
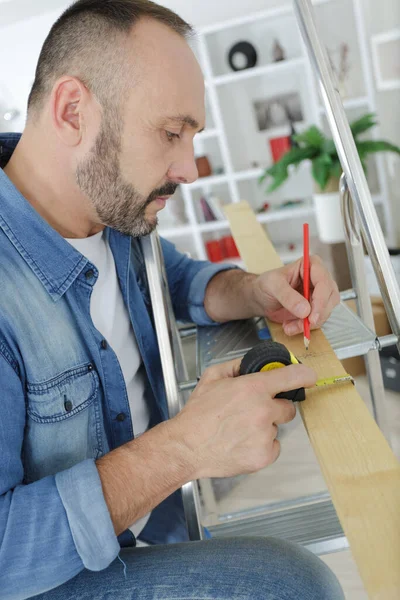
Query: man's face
[[139, 157]]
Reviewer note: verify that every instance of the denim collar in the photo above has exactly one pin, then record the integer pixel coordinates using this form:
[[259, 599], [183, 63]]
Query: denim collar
[[53, 260]]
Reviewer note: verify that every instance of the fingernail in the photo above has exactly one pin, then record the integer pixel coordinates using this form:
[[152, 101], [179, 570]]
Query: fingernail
[[315, 319], [302, 310], [291, 329]]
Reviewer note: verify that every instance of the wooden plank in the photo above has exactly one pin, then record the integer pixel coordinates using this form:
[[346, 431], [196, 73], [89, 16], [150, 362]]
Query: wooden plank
[[361, 472]]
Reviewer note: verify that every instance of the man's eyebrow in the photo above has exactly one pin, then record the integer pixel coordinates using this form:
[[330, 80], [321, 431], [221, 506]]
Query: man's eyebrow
[[188, 120]]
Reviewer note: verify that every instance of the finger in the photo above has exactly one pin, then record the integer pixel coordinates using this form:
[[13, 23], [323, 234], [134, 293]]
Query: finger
[[293, 327], [284, 411], [296, 326], [323, 286], [334, 300], [273, 382], [288, 297], [222, 371], [284, 380], [323, 303]]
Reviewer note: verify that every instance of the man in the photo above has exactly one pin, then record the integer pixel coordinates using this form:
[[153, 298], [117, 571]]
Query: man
[[89, 462]]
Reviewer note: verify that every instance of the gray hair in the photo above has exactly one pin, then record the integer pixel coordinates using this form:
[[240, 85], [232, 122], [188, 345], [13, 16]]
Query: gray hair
[[87, 42]]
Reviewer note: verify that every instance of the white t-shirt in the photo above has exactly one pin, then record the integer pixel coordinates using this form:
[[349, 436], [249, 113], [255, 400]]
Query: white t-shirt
[[111, 318]]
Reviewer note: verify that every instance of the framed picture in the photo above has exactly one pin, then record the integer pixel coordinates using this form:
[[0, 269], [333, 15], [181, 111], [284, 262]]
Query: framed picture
[[386, 59], [278, 110]]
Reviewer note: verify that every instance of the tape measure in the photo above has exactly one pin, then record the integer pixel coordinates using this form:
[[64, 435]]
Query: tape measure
[[268, 356]]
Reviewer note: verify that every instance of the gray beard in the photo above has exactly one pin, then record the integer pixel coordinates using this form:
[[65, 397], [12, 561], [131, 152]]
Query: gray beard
[[117, 203]]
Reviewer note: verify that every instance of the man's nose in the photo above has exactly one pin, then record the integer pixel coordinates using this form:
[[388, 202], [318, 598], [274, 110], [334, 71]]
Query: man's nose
[[184, 170]]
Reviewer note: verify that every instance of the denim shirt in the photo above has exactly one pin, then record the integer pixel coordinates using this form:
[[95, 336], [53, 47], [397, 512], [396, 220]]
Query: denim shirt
[[62, 392]]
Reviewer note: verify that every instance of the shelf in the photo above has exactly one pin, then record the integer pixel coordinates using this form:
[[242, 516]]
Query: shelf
[[206, 181], [257, 71], [207, 133], [270, 13], [248, 174], [290, 255], [269, 217], [218, 179], [178, 231], [213, 226], [236, 260], [286, 213]]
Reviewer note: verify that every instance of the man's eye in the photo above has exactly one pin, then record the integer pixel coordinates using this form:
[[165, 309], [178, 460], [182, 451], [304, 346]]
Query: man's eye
[[171, 136]]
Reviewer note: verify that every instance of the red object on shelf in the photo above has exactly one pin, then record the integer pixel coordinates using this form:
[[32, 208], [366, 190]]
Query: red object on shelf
[[214, 251], [203, 166], [279, 146], [229, 247]]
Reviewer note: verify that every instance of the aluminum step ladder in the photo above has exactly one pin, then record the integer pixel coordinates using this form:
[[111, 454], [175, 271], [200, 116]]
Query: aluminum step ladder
[[311, 520]]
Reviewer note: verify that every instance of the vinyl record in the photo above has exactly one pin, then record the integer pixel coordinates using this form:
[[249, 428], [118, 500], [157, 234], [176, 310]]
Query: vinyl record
[[242, 56]]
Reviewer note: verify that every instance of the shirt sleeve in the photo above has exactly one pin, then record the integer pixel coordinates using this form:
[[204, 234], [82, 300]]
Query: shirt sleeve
[[188, 280], [51, 529]]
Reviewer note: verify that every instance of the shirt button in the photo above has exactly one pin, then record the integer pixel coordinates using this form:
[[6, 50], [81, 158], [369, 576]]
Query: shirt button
[[104, 344], [68, 405], [90, 368], [121, 417], [89, 274]]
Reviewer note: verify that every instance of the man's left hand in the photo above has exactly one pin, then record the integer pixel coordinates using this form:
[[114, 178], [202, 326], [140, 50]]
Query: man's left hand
[[279, 295]]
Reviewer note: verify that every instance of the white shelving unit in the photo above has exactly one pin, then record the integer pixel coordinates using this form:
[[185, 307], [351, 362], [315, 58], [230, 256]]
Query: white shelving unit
[[232, 142]]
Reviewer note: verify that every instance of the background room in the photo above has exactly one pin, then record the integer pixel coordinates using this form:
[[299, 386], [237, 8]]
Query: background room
[[260, 93]]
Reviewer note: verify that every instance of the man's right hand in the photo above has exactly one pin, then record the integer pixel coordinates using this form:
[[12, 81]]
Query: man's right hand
[[228, 427], [230, 424]]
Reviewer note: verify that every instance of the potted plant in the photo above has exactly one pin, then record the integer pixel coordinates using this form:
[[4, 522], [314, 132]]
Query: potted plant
[[312, 145]]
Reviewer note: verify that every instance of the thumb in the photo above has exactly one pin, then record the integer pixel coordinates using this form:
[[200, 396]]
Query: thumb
[[222, 371], [290, 299]]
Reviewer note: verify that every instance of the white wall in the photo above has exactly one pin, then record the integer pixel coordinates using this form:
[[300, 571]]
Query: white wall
[[22, 40], [12, 11], [205, 12]]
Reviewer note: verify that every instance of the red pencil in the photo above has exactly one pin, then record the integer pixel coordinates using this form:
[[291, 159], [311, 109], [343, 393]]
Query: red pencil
[[306, 281]]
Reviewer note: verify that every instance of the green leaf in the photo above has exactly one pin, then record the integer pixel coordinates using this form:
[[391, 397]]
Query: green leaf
[[321, 169], [329, 147], [295, 156], [373, 146], [279, 170], [363, 124], [278, 181], [311, 137], [336, 169]]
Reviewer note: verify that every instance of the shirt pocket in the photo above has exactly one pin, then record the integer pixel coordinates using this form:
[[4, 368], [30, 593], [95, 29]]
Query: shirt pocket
[[63, 396], [64, 422]]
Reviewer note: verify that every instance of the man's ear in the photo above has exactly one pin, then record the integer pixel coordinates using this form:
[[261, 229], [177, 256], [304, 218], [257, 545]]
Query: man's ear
[[68, 99]]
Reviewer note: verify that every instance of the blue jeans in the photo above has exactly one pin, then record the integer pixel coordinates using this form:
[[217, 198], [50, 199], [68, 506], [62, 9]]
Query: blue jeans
[[218, 569]]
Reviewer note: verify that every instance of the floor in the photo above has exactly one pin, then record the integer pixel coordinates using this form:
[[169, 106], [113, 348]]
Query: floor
[[296, 473]]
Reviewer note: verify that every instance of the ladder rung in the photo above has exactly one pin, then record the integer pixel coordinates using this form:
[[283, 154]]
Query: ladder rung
[[315, 526]]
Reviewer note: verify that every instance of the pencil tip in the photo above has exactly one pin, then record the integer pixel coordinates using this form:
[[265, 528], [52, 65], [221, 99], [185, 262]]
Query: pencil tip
[[306, 342]]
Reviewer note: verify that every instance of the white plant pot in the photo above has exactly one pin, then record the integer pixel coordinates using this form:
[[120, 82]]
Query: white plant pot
[[329, 218]]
